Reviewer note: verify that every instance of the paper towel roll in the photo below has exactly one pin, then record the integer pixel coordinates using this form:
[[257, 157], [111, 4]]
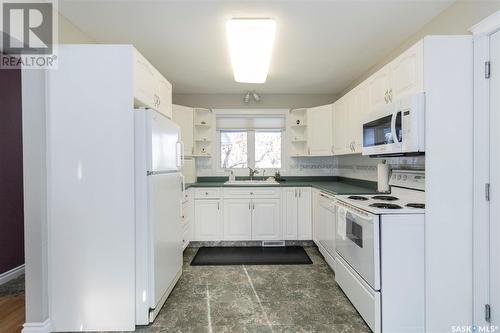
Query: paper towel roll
[[383, 177]]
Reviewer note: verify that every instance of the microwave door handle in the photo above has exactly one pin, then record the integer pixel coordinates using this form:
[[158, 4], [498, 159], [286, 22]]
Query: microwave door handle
[[393, 126]]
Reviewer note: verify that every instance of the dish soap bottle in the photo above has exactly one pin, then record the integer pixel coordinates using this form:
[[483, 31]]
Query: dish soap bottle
[[232, 177]]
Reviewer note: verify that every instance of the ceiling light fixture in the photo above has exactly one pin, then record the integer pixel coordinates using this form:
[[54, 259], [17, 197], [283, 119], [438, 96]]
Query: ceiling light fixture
[[250, 48], [251, 94], [255, 96], [246, 99]]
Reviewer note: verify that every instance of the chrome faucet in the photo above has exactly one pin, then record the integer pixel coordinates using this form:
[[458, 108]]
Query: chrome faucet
[[252, 172]]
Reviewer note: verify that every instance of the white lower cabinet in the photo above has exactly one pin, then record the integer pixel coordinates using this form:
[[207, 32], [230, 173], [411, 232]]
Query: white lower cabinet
[[325, 227], [266, 219], [297, 213], [237, 219], [208, 220]]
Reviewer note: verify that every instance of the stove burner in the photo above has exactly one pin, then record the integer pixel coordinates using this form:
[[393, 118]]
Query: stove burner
[[385, 198], [416, 205], [385, 205], [358, 197]]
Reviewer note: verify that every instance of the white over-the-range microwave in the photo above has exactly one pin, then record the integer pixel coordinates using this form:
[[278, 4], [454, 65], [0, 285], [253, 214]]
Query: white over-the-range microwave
[[396, 129]]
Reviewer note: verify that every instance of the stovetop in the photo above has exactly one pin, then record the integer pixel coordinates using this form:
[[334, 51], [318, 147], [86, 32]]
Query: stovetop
[[401, 200]]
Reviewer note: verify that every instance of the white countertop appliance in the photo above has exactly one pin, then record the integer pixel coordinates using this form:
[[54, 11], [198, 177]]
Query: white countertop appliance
[[380, 253], [396, 129], [159, 186]]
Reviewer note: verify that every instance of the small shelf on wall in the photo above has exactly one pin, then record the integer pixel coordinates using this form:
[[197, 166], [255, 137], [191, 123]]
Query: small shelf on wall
[[204, 132]]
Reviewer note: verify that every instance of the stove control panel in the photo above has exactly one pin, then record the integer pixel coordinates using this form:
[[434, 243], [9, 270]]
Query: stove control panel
[[414, 179]]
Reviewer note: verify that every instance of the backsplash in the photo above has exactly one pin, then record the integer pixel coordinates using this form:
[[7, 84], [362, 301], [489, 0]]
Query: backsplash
[[364, 167], [303, 166], [349, 166]]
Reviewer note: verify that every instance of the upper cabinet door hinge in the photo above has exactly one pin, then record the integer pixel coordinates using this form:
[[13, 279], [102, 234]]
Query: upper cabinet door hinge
[[487, 69], [487, 313], [487, 191]]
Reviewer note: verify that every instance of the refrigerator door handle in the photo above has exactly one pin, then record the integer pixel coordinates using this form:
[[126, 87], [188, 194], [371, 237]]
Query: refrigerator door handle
[[183, 184], [182, 154], [178, 157]]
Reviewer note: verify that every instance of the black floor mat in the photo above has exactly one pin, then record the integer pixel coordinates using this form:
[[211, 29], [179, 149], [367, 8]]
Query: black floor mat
[[219, 256]]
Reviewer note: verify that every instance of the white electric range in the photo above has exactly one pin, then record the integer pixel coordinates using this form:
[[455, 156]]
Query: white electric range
[[379, 246]]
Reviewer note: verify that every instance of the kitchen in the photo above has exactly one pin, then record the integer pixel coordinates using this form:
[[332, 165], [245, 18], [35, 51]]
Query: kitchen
[[259, 185]]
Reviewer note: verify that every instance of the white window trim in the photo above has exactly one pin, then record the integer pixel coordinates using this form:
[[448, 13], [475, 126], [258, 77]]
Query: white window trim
[[267, 172]]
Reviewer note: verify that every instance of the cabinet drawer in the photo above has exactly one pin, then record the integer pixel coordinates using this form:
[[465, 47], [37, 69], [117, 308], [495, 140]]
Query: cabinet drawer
[[207, 193], [364, 299], [251, 192]]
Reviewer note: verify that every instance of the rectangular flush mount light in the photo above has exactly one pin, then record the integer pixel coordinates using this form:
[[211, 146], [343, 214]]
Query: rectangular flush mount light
[[250, 47]]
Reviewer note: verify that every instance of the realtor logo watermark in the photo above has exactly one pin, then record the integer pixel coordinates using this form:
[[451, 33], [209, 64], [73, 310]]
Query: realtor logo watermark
[[29, 34]]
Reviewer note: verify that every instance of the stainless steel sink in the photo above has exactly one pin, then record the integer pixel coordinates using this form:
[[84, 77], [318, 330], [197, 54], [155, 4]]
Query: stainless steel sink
[[252, 182]]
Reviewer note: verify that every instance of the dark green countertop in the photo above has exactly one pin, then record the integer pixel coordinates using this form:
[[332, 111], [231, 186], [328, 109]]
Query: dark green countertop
[[333, 185]]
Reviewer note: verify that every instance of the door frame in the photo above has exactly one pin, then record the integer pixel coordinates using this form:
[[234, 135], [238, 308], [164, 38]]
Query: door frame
[[481, 217]]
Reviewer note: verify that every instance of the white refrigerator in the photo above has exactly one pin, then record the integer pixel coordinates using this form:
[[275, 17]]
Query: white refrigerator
[[158, 184]]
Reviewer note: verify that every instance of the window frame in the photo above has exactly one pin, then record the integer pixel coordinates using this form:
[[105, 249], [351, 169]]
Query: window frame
[[267, 172]]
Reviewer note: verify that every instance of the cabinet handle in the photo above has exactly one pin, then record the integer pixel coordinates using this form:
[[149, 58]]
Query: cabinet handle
[[249, 205], [159, 101], [253, 205], [390, 95], [218, 206], [300, 192]]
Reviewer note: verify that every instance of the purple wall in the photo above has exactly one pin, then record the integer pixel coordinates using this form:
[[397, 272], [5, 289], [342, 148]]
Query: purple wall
[[11, 171]]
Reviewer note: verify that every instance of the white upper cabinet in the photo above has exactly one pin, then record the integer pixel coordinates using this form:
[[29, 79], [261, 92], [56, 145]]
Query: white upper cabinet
[[151, 89], [379, 88], [184, 117], [339, 129], [144, 81], [408, 72], [320, 131], [163, 96]]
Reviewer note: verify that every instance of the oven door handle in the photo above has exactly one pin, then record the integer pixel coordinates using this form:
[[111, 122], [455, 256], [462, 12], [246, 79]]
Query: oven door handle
[[393, 126]]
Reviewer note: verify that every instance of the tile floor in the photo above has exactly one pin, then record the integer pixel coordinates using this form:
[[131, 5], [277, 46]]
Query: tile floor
[[297, 298]]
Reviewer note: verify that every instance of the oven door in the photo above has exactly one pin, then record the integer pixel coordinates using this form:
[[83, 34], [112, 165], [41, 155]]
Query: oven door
[[357, 241], [383, 132]]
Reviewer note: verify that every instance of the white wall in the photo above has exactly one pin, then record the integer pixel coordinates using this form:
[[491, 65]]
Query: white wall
[[455, 20], [35, 180]]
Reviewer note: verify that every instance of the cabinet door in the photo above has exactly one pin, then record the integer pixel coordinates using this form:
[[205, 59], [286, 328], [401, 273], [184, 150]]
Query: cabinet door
[[208, 220], [378, 88], [289, 209], [316, 215], [349, 118], [361, 108], [339, 127], [237, 219], [304, 214], [407, 72], [184, 117], [164, 97], [319, 130], [266, 219], [144, 82]]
